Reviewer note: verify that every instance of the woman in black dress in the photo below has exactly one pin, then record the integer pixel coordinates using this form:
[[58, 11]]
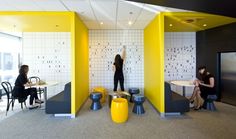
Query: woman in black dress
[[118, 68], [21, 92], [203, 87]]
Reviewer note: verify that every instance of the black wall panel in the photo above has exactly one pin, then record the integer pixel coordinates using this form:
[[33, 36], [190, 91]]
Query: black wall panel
[[209, 43]]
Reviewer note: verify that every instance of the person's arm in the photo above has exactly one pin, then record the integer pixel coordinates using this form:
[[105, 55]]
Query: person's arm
[[211, 85], [123, 55], [28, 83], [113, 68]]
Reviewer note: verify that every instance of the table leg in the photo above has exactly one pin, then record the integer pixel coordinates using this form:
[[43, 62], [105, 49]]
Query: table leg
[[45, 94], [45, 98], [184, 90], [0, 94]]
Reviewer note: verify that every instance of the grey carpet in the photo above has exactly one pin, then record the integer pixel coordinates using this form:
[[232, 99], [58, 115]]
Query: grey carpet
[[98, 125]]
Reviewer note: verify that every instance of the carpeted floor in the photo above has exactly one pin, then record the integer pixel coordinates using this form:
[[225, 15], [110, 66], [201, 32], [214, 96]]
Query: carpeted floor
[[98, 125], [3, 106]]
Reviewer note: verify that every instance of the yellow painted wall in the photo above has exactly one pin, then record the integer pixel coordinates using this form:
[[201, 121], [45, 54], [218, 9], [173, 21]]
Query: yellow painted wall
[[35, 21], [58, 22], [154, 62], [80, 64]]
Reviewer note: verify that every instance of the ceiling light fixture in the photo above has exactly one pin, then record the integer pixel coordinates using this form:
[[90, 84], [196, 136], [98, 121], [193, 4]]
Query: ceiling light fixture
[[130, 23], [101, 23], [170, 25], [204, 25]]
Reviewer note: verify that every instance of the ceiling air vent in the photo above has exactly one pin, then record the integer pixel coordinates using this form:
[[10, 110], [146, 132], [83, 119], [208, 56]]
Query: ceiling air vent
[[189, 20], [192, 19]]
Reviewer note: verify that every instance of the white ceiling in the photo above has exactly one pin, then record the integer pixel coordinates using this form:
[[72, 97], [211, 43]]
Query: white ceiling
[[115, 14]]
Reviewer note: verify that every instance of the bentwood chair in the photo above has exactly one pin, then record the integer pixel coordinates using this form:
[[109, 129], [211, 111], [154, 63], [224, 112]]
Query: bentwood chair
[[10, 97], [34, 80]]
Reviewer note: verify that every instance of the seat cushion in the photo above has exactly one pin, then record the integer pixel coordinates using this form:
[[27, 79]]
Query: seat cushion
[[212, 97], [134, 90], [57, 104]]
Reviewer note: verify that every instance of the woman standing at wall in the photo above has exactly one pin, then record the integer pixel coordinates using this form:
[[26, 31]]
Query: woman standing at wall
[[118, 69]]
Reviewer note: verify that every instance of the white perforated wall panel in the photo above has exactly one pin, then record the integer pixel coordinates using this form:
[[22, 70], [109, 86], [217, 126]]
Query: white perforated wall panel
[[49, 57], [104, 45], [180, 57]]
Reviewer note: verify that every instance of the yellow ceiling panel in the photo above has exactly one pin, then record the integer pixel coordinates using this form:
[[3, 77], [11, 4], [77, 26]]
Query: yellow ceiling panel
[[35, 21], [193, 21]]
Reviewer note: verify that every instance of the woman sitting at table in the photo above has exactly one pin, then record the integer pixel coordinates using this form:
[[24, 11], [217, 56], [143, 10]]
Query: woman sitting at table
[[203, 87], [21, 92]]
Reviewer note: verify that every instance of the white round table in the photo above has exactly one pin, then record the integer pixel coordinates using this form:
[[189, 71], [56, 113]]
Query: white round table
[[184, 84]]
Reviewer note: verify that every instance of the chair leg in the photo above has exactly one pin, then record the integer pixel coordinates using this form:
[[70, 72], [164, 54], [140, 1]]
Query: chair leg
[[13, 101], [6, 112], [40, 98], [25, 104], [8, 105], [21, 105]]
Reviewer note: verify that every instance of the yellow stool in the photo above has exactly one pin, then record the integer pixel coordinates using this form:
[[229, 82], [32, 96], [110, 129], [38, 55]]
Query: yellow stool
[[103, 91], [119, 110]]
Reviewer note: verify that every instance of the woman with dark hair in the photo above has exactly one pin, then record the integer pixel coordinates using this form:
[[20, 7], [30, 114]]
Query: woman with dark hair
[[118, 68], [203, 87], [19, 89]]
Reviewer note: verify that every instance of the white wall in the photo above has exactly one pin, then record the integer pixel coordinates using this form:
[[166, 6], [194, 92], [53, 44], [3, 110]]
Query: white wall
[[48, 56], [104, 45], [180, 57]]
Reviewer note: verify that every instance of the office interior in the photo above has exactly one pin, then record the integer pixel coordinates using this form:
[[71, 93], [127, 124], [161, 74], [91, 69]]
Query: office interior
[[76, 41]]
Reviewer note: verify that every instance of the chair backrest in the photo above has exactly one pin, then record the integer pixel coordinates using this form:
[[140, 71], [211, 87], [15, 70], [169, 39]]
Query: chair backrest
[[34, 79], [167, 91], [67, 92], [7, 88]]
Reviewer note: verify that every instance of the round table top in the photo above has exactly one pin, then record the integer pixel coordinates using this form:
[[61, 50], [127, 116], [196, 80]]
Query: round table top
[[183, 83]]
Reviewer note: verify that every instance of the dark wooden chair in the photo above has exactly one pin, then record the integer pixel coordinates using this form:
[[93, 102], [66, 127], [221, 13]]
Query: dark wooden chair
[[10, 97], [34, 80]]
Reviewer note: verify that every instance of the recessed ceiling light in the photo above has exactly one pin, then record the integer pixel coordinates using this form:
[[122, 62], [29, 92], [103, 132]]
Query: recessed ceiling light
[[204, 25], [170, 25], [130, 23], [101, 23]]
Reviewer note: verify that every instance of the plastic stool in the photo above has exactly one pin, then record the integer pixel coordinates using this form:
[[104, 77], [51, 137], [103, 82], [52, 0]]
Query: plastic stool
[[133, 91], [209, 103], [115, 95], [95, 97], [119, 110], [138, 104], [103, 91]]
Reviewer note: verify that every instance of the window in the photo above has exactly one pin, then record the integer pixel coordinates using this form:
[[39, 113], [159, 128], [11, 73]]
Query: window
[[10, 52]]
